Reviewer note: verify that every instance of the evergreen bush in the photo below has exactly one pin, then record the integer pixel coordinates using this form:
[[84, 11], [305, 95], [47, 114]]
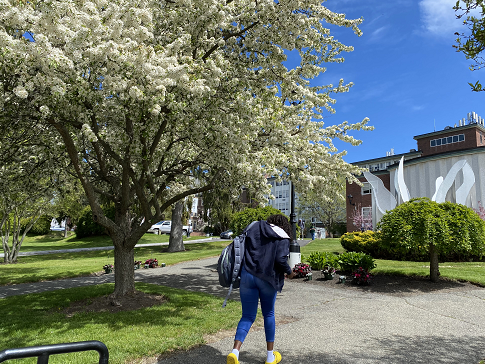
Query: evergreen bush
[[86, 226]]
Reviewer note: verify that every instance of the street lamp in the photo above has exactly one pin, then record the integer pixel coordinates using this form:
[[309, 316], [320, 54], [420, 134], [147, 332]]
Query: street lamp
[[295, 256]]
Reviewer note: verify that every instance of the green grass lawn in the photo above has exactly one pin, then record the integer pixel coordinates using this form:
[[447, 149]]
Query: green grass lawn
[[179, 323], [65, 265], [462, 271], [322, 245], [56, 241]]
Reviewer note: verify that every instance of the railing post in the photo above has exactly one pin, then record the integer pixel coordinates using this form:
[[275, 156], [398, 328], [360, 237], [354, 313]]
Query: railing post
[[43, 352]]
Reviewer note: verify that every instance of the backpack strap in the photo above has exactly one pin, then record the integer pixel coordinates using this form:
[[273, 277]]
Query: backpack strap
[[227, 297], [239, 248]]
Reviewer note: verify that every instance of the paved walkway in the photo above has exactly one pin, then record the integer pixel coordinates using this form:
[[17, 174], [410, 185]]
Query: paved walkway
[[330, 325]]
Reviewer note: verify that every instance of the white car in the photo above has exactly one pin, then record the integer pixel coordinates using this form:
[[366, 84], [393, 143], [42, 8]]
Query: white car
[[155, 228], [165, 227]]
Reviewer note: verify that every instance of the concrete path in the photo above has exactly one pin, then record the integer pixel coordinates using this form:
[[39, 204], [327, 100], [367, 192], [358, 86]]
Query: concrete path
[[331, 325]]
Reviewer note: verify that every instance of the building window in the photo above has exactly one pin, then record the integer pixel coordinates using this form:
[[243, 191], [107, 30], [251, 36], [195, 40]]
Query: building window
[[447, 140], [366, 189], [367, 212]]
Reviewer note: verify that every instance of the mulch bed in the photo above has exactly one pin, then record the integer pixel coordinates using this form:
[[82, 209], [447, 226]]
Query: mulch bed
[[393, 285]]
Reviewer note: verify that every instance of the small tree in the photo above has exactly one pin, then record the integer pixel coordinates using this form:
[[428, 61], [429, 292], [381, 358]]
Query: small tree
[[329, 210], [439, 228], [361, 221]]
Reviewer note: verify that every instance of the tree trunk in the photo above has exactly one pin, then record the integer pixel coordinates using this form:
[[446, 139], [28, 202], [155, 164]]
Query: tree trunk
[[124, 270], [176, 242], [65, 229], [434, 271]]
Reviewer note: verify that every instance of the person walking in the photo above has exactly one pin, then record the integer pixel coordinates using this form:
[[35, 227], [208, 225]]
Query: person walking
[[312, 231], [262, 276]]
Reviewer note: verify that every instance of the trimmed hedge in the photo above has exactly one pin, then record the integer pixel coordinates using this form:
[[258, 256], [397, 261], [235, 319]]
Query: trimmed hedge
[[366, 242]]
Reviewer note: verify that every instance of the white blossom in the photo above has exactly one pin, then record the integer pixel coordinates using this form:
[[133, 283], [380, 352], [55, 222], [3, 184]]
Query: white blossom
[[21, 92], [155, 110], [44, 110], [233, 112]]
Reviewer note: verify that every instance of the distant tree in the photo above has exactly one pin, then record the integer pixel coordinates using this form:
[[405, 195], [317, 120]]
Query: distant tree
[[361, 221], [69, 203], [27, 175], [329, 210], [219, 206], [480, 211], [25, 194], [425, 224], [243, 218], [472, 44]]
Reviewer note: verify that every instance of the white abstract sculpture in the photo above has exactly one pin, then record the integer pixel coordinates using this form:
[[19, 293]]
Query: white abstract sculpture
[[403, 189], [385, 201]]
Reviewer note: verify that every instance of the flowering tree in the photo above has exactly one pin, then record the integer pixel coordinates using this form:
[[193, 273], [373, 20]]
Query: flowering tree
[[360, 220], [154, 101], [480, 211]]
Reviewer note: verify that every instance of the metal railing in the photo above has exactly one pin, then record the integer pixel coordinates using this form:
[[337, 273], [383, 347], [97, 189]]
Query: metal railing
[[43, 352]]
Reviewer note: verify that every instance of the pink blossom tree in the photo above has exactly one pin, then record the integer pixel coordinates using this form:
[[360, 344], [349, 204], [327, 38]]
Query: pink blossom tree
[[361, 220]]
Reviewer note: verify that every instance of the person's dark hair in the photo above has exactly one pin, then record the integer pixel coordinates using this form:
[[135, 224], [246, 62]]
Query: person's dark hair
[[282, 222]]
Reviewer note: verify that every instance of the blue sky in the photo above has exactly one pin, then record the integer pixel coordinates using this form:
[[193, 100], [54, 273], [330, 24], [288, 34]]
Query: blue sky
[[408, 79]]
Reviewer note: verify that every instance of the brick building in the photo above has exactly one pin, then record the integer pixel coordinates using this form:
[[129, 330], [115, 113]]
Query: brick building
[[436, 153]]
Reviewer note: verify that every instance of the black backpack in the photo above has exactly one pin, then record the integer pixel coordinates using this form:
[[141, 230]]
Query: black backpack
[[230, 263]]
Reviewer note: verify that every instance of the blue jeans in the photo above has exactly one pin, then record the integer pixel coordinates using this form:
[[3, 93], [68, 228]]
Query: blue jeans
[[251, 289]]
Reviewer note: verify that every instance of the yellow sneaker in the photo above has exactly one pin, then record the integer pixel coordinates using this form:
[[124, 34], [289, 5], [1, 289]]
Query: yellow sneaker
[[277, 358], [232, 359]]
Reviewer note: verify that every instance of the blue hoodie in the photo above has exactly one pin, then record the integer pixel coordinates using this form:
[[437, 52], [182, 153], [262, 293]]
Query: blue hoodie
[[266, 253]]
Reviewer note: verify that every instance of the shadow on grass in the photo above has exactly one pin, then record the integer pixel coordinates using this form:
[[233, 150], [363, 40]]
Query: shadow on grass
[[29, 315]]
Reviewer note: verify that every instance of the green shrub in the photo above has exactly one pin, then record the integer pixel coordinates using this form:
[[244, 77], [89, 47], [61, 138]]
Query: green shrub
[[317, 260], [351, 261], [86, 226], [243, 218], [41, 227], [208, 229], [408, 231], [364, 242]]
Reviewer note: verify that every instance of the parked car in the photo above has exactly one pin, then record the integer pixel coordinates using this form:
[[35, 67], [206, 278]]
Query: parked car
[[226, 234], [165, 227]]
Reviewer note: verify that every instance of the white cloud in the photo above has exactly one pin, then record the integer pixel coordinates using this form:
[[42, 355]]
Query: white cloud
[[377, 34], [438, 17]]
